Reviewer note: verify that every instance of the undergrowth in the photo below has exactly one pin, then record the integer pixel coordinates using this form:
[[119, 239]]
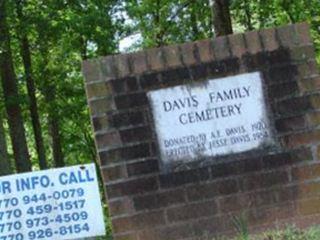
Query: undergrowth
[[289, 233]]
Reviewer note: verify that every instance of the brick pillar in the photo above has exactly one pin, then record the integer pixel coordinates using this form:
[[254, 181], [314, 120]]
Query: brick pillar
[[268, 187]]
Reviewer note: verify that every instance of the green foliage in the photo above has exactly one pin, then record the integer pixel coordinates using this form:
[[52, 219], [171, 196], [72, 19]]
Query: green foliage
[[288, 233], [249, 15], [162, 22], [61, 35], [241, 226], [64, 33], [291, 233]]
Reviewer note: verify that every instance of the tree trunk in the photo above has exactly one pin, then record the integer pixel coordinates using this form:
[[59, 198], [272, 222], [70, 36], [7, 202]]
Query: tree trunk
[[5, 166], [49, 92], [221, 17], [249, 26], [48, 89], [33, 107], [11, 97], [159, 31], [56, 138]]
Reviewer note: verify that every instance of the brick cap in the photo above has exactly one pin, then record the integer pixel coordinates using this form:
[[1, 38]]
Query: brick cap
[[159, 59]]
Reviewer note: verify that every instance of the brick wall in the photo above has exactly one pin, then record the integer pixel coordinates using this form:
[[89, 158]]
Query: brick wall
[[268, 189]]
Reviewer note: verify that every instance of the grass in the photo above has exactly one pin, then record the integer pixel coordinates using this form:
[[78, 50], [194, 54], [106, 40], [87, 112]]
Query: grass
[[289, 233]]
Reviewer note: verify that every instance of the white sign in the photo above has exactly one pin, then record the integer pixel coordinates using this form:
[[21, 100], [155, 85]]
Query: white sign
[[59, 204], [217, 117]]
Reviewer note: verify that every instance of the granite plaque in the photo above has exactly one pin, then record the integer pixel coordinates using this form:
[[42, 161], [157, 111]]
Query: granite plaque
[[217, 117]]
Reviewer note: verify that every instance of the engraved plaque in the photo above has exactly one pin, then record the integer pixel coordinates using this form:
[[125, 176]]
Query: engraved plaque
[[213, 118]]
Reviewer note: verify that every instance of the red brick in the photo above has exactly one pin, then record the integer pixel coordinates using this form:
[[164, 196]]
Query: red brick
[[132, 236], [304, 138], [127, 101], [150, 81], [277, 58], [283, 73], [122, 64], [236, 167], [188, 52], [297, 105], [110, 139], [276, 196], [180, 178], [302, 173], [269, 40], [174, 76], [100, 123], [237, 45], [309, 85], [308, 69], [221, 68], [108, 67], [159, 200], [101, 106], [124, 85], [120, 206], [192, 211], [212, 228], [315, 100], [132, 187], [302, 154], [287, 158], [309, 207], [182, 231], [211, 190], [253, 42], [114, 173], [263, 180], [283, 90], [144, 167], [155, 59], [205, 50], [289, 124], [132, 100], [233, 203], [302, 53], [221, 49], [303, 33], [172, 56], [127, 118], [136, 134], [307, 190], [100, 89], [91, 70], [272, 214], [139, 62], [190, 202], [306, 221], [261, 198], [287, 36], [139, 221], [127, 153]]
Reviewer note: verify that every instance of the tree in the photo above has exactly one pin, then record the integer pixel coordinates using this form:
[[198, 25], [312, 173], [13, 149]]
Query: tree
[[11, 97], [221, 17], [5, 165], [49, 92], [33, 107], [164, 22]]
